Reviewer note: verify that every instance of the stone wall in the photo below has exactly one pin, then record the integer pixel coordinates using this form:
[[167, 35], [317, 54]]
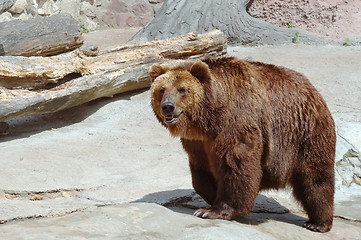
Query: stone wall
[[93, 14]]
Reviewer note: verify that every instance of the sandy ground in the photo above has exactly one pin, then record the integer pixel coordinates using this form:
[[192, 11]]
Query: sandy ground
[[109, 37]]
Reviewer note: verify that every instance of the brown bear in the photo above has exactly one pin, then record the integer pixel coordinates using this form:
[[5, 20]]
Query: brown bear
[[249, 126]]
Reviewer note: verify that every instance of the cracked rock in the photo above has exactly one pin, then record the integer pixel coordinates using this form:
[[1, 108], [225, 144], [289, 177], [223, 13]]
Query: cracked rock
[[349, 168]]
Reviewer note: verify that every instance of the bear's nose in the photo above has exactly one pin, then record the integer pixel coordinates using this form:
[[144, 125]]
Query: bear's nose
[[168, 108]]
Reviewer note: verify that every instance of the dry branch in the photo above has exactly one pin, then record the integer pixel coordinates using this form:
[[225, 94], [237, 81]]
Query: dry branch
[[105, 73]]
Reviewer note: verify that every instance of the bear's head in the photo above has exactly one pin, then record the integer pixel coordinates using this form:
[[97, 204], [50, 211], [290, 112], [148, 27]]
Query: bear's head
[[178, 96]]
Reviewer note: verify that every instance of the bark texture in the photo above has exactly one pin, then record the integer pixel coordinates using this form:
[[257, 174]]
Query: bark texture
[[91, 73], [5, 5], [177, 17], [40, 36]]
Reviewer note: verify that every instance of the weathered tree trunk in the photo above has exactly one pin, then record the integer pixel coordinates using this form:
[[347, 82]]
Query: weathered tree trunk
[[41, 36], [18, 72], [177, 17], [5, 5], [105, 73]]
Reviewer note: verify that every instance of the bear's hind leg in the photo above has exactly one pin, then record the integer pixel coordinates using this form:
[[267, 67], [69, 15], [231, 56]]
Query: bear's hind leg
[[316, 195]]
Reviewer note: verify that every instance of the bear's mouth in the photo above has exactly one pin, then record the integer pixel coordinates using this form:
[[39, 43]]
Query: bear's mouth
[[171, 119]]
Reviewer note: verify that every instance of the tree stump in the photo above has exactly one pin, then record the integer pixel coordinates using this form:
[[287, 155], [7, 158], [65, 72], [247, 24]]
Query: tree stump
[[40, 36], [177, 17]]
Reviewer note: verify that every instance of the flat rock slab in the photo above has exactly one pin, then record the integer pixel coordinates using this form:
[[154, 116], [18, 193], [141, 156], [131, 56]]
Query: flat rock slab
[[108, 169], [151, 221]]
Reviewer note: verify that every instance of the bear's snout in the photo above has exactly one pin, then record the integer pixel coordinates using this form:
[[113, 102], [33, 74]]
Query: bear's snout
[[168, 108]]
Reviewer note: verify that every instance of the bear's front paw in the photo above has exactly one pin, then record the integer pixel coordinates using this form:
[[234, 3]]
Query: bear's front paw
[[226, 212], [325, 227]]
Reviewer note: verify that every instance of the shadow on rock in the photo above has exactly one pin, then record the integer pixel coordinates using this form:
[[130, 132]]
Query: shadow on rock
[[23, 127], [186, 201]]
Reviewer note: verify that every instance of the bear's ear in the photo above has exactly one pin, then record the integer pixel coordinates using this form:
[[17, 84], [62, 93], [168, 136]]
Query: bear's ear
[[201, 71], [155, 71]]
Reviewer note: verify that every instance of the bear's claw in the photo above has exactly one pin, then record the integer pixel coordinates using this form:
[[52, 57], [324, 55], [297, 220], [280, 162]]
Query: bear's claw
[[318, 227], [202, 213], [213, 213]]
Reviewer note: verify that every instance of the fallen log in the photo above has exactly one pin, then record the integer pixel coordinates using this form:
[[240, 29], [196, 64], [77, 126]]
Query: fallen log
[[96, 74], [37, 72], [17, 72], [40, 36]]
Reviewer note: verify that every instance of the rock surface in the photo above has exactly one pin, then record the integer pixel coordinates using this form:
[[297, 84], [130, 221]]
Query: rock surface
[[109, 170], [93, 14]]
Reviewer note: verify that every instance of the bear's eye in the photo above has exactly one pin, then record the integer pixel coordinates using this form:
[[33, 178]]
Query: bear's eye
[[161, 91], [182, 90]]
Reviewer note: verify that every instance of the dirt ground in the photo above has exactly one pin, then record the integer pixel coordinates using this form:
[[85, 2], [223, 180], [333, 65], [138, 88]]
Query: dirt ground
[[328, 19]]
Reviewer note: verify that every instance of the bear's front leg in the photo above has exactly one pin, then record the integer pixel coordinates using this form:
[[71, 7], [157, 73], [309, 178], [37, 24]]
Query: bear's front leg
[[202, 179], [239, 176]]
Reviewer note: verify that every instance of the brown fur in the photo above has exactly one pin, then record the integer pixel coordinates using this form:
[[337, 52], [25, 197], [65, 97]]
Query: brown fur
[[249, 126]]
